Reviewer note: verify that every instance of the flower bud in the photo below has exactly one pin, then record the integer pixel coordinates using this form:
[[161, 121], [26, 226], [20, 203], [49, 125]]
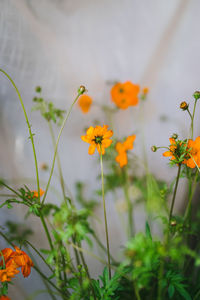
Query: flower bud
[[81, 90], [154, 148], [173, 223], [184, 105], [38, 89], [196, 95], [174, 136]]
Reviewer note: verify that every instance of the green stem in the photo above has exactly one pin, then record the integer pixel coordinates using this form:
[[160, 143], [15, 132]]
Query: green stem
[[47, 232], [160, 276], [136, 291], [56, 145], [105, 217], [38, 253], [50, 282], [104, 248], [174, 195], [29, 128], [192, 120], [191, 194], [130, 208], [87, 271], [62, 183]]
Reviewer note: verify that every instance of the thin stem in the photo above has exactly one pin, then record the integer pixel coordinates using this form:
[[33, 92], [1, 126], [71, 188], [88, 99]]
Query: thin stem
[[136, 291], [62, 183], [56, 146], [31, 245], [29, 128], [174, 195], [50, 282], [105, 217], [130, 208], [104, 248], [192, 121], [87, 271], [46, 231], [192, 190]]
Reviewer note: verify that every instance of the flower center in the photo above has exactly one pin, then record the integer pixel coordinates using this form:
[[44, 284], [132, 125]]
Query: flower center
[[98, 139], [121, 90]]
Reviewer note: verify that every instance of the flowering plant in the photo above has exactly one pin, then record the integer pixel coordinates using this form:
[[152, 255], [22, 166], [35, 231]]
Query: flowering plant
[[164, 267]]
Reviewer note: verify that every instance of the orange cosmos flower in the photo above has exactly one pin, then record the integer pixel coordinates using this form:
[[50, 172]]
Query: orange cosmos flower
[[125, 94], [172, 149], [121, 148], [4, 298], [84, 103], [9, 272], [7, 252], [35, 193], [22, 260], [194, 153], [98, 137]]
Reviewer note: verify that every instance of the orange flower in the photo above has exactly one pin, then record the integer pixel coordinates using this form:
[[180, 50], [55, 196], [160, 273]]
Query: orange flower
[[145, 90], [4, 298], [194, 153], [9, 272], [121, 148], [7, 252], [172, 148], [35, 193], [125, 94], [22, 260], [98, 137], [84, 103]]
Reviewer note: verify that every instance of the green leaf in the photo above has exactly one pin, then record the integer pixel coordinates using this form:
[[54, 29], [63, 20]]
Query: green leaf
[[148, 230], [171, 291]]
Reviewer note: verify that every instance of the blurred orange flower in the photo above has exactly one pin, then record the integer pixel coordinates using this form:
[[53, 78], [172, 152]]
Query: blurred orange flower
[[98, 137], [194, 153], [121, 148], [35, 193], [171, 150], [145, 90], [11, 261], [22, 260], [4, 298], [84, 103], [125, 94], [9, 271]]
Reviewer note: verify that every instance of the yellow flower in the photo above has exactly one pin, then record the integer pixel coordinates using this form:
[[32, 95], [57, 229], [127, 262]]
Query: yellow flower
[[84, 103], [98, 137]]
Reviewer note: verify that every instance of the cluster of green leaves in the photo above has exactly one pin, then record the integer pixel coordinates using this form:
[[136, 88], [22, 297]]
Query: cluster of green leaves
[[47, 109], [179, 150], [143, 255], [73, 223]]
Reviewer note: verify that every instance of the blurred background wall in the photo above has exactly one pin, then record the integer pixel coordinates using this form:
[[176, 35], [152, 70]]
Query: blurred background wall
[[60, 44]]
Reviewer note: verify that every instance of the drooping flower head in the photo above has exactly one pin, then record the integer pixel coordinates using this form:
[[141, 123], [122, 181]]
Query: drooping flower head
[[122, 148], [9, 271], [84, 103], [125, 94], [11, 261], [98, 137], [23, 261]]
